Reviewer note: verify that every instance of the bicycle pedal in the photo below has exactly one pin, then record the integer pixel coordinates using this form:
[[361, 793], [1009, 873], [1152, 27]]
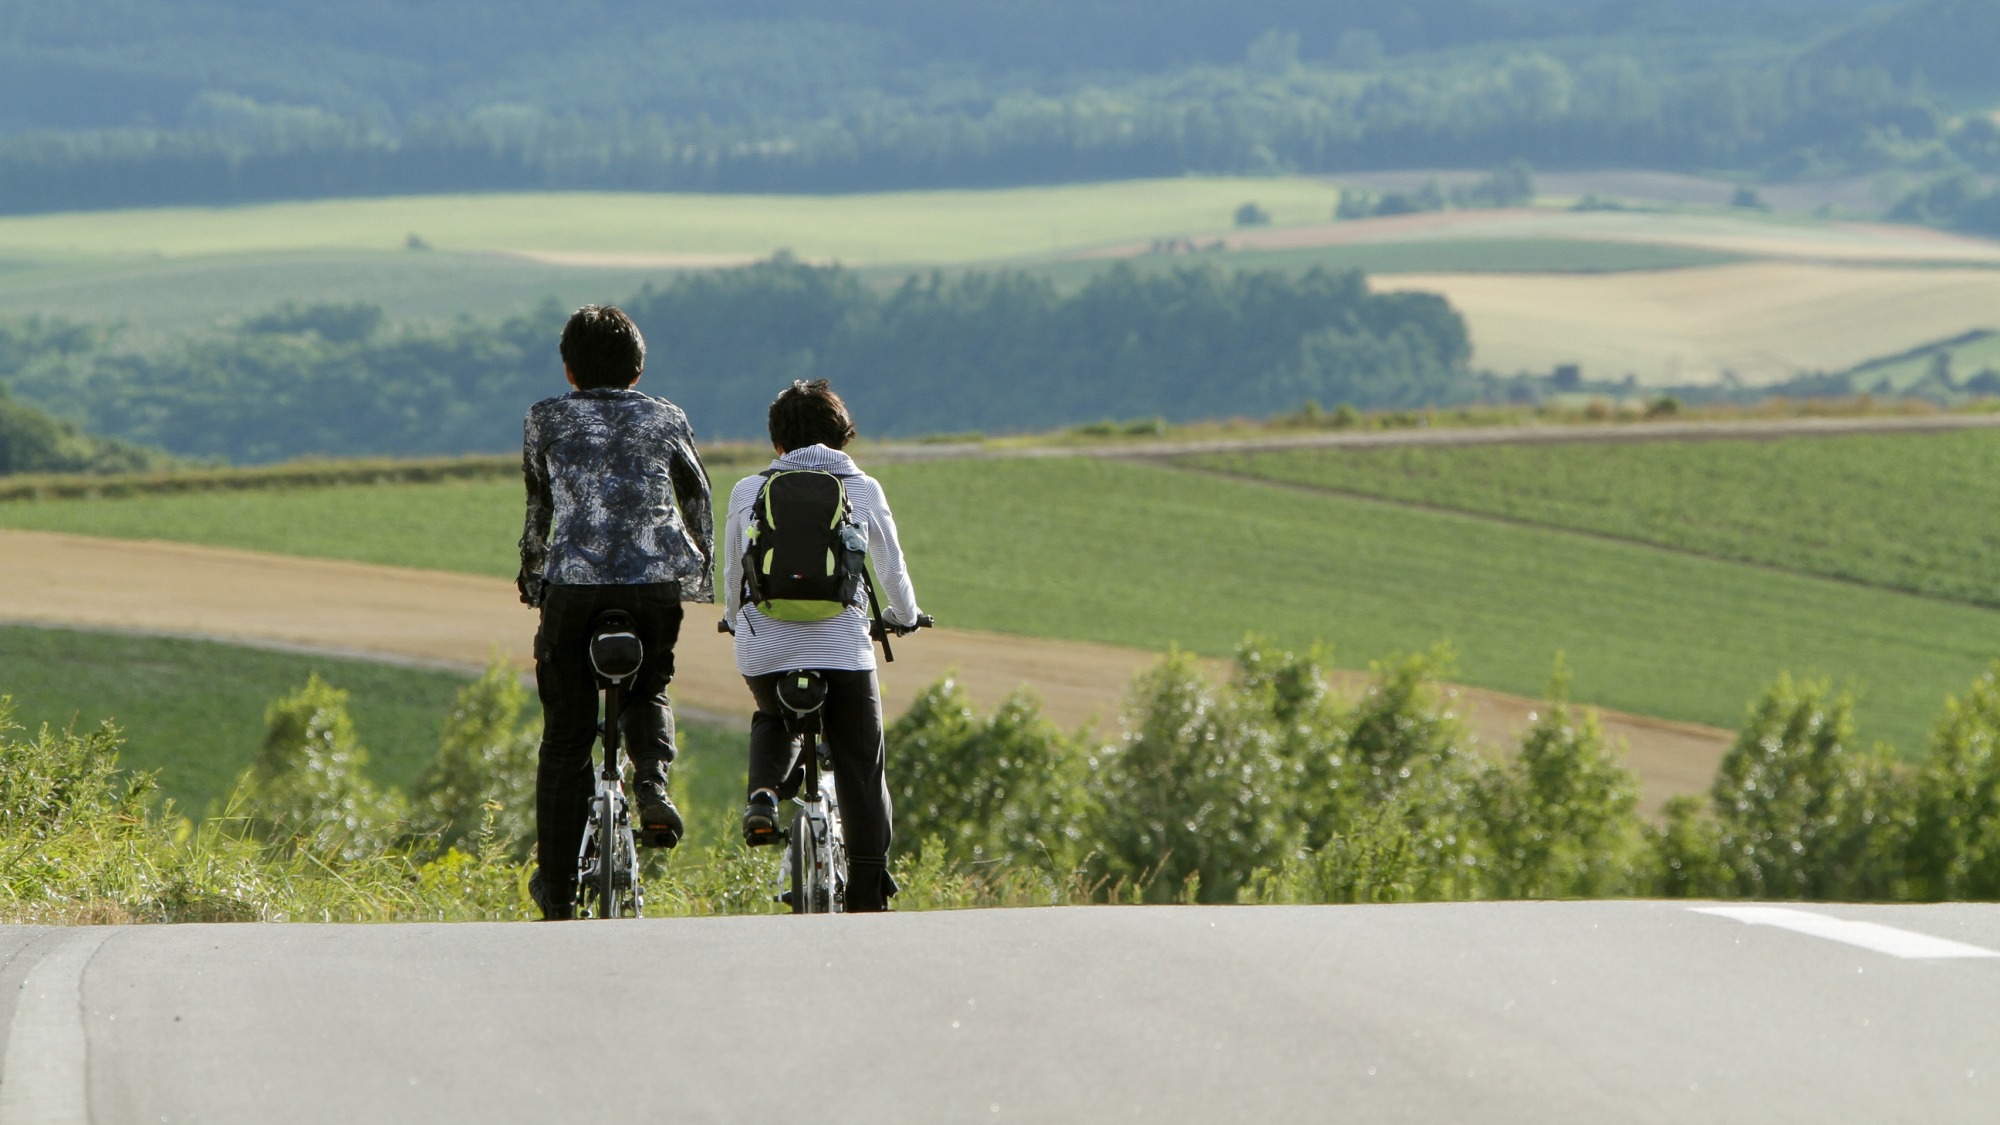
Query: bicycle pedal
[[658, 837]]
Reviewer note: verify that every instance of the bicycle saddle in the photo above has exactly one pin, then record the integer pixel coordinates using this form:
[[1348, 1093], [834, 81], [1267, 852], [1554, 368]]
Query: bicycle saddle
[[802, 693], [615, 648]]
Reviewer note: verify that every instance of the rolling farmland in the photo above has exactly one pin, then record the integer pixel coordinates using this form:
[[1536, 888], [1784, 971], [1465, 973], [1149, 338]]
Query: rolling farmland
[[1835, 506], [1200, 560]]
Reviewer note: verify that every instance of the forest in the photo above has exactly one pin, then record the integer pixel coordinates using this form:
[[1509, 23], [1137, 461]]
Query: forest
[[117, 104], [995, 351]]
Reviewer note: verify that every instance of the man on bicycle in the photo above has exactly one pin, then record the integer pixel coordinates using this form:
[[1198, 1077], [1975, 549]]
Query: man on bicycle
[[809, 427], [618, 518]]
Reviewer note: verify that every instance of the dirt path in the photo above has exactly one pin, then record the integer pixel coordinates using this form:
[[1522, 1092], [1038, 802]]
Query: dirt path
[[1536, 434], [459, 620]]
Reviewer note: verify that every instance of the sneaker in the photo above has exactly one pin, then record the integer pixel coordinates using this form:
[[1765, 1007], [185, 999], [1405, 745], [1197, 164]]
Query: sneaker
[[551, 911], [760, 820], [660, 823]]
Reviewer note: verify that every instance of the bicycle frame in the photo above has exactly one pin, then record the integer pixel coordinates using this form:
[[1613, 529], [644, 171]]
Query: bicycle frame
[[607, 865], [815, 860]]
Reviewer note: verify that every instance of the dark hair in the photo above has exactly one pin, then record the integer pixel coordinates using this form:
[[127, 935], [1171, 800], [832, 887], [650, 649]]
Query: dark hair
[[810, 414], [602, 348]]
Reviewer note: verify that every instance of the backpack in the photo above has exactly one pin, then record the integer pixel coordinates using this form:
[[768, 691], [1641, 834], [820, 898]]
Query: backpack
[[807, 557]]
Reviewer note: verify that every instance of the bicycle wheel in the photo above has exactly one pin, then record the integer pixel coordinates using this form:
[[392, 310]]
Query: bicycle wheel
[[798, 866], [607, 872]]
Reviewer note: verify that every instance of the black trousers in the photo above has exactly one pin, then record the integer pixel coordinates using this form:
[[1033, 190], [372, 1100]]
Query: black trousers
[[564, 778], [851, 724]]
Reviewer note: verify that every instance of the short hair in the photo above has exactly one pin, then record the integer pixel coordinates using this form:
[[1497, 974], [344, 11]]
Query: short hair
[[603, 348], [810, 414]]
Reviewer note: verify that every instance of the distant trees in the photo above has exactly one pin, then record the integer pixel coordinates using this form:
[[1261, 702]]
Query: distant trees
[[995, 351], [1780, 119], [1510, 185]]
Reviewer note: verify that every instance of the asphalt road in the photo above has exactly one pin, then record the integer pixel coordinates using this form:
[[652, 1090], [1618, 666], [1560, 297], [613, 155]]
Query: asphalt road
[[1566, 1012]]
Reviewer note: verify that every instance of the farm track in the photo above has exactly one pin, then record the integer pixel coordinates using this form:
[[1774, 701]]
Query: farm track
[[1756, 430], [437, 619]]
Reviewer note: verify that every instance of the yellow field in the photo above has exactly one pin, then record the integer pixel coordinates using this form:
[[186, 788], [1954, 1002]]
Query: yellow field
[[1765, 321], [645, 230]]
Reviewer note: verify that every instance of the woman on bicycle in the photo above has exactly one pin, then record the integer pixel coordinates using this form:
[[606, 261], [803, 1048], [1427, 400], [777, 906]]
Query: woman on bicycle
[[809, 427]]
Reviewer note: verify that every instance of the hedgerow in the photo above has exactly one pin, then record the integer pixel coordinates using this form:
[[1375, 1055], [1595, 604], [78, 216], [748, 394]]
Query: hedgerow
[[1265, 788]]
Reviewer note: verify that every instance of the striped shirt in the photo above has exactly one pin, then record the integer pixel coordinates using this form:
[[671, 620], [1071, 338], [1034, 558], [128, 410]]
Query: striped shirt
[[765, 645]]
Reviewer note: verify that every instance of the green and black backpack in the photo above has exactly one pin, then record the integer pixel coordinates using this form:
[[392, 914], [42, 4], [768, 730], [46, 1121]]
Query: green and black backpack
[[807, 557]]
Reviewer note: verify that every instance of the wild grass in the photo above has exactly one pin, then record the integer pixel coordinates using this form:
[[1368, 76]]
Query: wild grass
[[1912, 512]]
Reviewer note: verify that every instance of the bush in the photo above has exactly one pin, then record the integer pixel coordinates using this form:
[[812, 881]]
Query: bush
[[1955, 840], [308, 787], [970, 790], [1193, 795], [1561, 816], [484, 773], [1801, 813]]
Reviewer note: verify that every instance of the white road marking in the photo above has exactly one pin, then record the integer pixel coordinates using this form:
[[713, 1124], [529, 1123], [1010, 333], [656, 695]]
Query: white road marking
[[43, 1080], [1906, 944]]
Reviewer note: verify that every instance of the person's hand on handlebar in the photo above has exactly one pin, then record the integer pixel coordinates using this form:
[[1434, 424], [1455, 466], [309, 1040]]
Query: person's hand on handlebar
[[924, 621]]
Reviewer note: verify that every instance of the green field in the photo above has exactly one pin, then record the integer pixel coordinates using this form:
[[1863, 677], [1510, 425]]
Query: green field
[[470, 527], [194, 710], [167, 296], [1151, 556], [1911, 512]]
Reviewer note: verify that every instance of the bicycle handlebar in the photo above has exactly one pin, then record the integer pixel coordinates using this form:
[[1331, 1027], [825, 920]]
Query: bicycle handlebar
[[924, 621]]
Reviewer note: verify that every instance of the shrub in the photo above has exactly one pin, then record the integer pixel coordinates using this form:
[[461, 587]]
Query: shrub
[[1801, 813], [1194, 791], [484, 773], [1007, 787], [1955, 840], [308, 785], [1561, 816]]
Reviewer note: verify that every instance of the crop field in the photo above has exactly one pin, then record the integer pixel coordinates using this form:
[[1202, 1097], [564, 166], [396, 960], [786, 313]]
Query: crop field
[[1149, 556], [644, 230], [164, 296], [1839, 506], [1963, 358], [1762, 321]]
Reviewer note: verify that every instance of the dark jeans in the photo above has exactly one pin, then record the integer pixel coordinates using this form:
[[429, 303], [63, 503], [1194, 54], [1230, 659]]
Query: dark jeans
[[568, 688], [851, 725]]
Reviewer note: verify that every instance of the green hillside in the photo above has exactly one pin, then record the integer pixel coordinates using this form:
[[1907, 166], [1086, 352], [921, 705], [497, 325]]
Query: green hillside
[[1911, 512], [194, 710], [1151, 556]]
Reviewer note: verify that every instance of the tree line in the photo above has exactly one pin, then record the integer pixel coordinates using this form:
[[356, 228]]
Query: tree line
[[994, 351], [1781, 119]]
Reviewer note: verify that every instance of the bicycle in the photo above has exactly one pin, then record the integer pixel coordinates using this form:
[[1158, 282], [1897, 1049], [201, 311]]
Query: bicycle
[[814, 865], [607, 865]]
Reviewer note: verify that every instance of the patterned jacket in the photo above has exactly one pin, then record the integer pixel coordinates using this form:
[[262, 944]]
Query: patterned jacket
[[616, 496]]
